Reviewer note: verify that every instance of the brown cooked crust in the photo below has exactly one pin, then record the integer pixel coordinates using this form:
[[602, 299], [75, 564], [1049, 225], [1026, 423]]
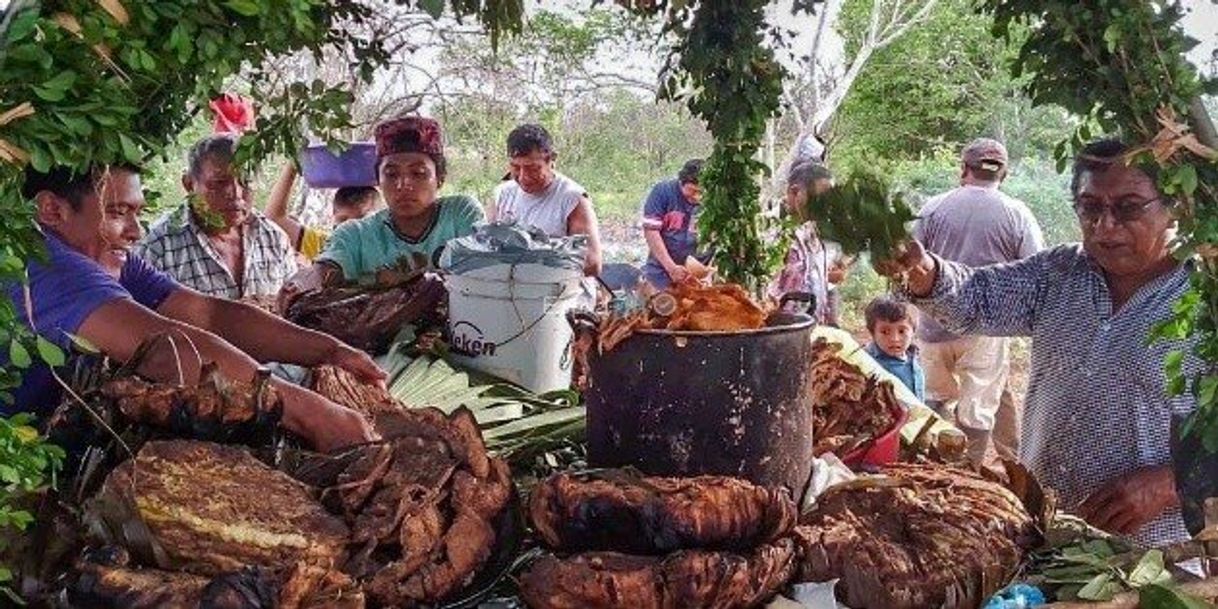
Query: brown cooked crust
[[657, 515], [215, 508], [688, 579], [926, 536]]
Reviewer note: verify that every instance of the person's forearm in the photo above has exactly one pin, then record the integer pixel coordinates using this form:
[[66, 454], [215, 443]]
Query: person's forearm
[[277, 204], [655, 244], [268, 338]]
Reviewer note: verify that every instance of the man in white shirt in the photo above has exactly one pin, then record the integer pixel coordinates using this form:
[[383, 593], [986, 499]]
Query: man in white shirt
[[539, 196]]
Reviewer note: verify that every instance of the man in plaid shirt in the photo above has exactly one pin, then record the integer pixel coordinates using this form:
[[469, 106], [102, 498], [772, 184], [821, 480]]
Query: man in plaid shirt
[[216, 242]]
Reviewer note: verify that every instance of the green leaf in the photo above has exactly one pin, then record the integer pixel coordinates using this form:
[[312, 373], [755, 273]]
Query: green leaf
[[1098, 588], [435, 8], [50, 353], [1156, 596], [247, 8], [1187, 177], [130, 150], [83, 344], [1149, 570], [18, 355]]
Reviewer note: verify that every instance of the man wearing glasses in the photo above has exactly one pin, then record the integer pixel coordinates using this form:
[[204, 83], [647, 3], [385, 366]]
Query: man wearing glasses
[[1098, 415], [978, 225], [216, 242]]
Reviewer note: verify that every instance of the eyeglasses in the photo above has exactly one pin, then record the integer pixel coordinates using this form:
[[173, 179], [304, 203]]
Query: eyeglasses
[[1124, 211]]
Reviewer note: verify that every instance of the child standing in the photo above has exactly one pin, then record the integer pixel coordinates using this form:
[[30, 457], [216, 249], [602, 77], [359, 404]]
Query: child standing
[[891, 325]]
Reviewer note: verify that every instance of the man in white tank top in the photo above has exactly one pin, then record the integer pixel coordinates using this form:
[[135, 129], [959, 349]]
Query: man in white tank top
[[539, 196]]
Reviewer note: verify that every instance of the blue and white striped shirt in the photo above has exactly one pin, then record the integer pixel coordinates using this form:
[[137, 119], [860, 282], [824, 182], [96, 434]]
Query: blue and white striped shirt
[[1097, 407]]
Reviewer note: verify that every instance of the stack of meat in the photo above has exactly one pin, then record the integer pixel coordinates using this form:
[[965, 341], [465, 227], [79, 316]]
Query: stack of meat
[[849, 407], [658, 543], [370, 317], [688, 306], [404, 522], [922, 536], [423, 508]]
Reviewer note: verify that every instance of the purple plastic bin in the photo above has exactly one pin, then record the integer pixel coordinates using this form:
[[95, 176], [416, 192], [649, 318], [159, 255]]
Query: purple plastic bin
[[354, 167]]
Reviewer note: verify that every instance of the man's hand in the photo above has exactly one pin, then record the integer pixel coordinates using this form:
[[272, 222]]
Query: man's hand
[[911, 264], [356, 362], [677, 273], [1126, 504], [325, 425], [306, 279]]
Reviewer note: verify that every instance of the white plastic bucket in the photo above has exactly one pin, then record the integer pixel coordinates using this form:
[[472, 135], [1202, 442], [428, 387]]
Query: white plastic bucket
[[509, 320]]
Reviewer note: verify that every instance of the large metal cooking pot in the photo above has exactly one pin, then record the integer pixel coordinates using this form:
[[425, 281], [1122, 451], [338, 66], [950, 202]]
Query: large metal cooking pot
[[685, 403]]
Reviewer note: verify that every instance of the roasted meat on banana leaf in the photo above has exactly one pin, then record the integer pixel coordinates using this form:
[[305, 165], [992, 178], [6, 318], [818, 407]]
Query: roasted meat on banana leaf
[[622, 511], [688, 579], [208, 508], [922, 536], [423, 506], [369, 318]]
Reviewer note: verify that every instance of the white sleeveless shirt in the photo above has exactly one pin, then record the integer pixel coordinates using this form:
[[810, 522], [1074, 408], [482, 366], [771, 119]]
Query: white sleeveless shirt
[[547, 210]]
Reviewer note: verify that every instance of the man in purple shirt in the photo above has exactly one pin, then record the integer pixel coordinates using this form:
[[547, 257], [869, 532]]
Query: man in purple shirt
[[92, 288]]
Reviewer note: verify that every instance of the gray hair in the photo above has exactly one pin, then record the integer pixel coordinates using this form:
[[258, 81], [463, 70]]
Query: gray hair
[[805, 174], [219, 149]]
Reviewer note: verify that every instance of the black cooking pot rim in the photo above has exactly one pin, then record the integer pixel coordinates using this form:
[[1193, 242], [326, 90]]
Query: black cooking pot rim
[[777, 323]]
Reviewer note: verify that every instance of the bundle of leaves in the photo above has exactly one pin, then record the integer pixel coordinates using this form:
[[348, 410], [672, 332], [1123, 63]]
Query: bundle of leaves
[[863, 214]]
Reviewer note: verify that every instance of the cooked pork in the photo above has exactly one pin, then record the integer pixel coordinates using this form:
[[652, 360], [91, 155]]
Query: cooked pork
[[688, 579], [212, 508], [924, 536], [369, 318], [619, 511]]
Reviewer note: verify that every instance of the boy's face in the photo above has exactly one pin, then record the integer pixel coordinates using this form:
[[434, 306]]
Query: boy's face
[[893, 337]]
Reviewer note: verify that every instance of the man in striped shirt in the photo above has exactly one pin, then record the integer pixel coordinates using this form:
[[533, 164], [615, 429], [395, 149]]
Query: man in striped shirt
[[1097, 424]]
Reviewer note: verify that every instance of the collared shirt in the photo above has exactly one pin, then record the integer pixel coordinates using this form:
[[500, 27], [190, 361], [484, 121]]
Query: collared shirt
[[907, 368], [975, 225], [177, 245], [1097, 407]]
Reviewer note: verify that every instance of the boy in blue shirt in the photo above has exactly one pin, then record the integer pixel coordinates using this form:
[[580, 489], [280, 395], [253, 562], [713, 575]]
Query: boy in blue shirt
[[892, 325]]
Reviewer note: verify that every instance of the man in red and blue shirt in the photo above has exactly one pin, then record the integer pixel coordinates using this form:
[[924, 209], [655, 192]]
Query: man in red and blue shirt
[[669, 226]]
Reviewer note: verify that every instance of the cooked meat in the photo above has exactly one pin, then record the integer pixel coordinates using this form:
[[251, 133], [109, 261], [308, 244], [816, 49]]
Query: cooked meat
[[467, 545], [214, 508], [321, 586], [432, 493], [725, 307], [849, 408], [459, 431], [100, 585], [924, 536], [421, 533], [369, 318], [485, 497], [623, 512], [688, 579], [249, 588], [344, 388], [203, 411]]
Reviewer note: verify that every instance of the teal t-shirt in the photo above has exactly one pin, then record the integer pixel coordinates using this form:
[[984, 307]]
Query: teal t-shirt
[[362, 247]]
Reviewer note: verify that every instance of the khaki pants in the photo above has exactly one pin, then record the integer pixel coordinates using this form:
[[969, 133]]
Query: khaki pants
[[967, 378]]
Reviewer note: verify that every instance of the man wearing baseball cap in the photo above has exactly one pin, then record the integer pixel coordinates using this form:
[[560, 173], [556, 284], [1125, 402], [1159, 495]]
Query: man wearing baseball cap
[[978, 225]]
